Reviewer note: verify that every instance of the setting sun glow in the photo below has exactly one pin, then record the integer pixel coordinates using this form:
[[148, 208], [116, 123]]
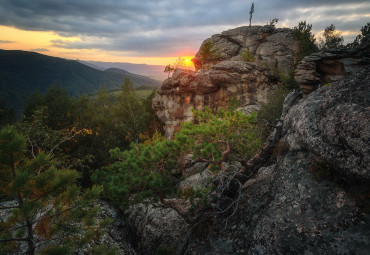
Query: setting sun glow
[[42, 41], [187, 62]]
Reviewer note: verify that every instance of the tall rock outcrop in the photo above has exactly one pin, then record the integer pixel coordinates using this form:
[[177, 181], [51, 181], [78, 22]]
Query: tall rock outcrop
[[216, 82]]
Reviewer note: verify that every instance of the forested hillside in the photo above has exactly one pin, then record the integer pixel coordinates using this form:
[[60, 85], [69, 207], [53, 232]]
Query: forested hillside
[[22, 73]]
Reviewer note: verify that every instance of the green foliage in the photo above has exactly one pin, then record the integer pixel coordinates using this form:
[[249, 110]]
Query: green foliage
[[331, 38], [23, 72], [233, 104], [207, 54], [365, 30], [7, 115], [145, 170], [247, 56], [271, 111], [58, 104], [169, 69], [287, 81], [104, 250], [49, 204], [164, 251], [80, 131], [210, 135], [273, 22], [179, 63], [305, 41]]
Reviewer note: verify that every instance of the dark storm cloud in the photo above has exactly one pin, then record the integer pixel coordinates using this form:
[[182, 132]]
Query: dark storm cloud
[[158, 27]]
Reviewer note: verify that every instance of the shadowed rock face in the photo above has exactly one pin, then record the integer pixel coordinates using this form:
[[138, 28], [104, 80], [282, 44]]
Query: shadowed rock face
[[311, 201], [217, 82]]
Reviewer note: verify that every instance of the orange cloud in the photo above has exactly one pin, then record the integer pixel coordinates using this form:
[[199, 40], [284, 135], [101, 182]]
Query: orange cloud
[[40, 41]]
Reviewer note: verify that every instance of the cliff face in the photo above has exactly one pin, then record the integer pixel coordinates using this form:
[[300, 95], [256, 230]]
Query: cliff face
[[217, 82], [314, 199], [313, 195]]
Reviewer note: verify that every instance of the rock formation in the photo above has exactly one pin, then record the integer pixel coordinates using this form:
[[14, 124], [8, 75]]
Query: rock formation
[[216, 82], [314, 199], [151, 228], [330, 65]]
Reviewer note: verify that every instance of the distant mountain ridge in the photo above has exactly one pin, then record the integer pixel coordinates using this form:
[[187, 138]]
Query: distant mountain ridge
[[152, 71], [24, 72]]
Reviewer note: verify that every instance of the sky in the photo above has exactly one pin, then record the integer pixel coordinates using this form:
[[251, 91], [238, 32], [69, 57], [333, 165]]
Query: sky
[[156, 31]]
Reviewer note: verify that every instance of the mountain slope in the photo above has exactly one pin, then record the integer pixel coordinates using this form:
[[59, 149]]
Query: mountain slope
[[152, 71], [22, 73], [138, 80]]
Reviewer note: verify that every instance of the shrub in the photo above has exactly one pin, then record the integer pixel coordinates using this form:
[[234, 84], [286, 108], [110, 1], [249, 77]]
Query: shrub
[[271, 111], [50, 211], [305, 41], [247, 56], [144, 171]]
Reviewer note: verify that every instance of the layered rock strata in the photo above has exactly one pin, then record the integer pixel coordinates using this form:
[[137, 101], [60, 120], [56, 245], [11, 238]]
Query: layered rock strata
[[323, 68], [216, 82]]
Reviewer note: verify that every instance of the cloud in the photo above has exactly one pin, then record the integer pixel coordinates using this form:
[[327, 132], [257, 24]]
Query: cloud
[[5, 41], [157, 28], [39, 50]]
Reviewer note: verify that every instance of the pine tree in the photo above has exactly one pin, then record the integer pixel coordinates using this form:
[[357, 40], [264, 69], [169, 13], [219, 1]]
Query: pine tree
[[145, 170], [169, 69], [49, 212], [250, 14], [206, 54], [331, 38], [365, 31], [305, 41]]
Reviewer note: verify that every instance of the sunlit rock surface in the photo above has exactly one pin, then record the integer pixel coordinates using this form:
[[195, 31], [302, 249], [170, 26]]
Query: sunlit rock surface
[[215, 83]]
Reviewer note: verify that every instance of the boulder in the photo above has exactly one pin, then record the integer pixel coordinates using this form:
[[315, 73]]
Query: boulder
[[333, 123], [197, 181], [264, 42], [113, 237], [151, 228]]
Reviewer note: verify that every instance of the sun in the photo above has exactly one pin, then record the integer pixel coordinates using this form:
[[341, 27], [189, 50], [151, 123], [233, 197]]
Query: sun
[[187, 62]]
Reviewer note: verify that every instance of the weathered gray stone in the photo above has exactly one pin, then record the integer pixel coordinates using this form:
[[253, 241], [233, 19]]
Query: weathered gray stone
[[113, 237], [196, 181], [216, 83], [330, 65], [198, 167], [154, 227], [312, 200], [333, 123]]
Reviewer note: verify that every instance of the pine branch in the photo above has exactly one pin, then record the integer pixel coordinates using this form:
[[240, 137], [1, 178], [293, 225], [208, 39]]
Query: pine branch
[[14, 240], [9, 207]]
